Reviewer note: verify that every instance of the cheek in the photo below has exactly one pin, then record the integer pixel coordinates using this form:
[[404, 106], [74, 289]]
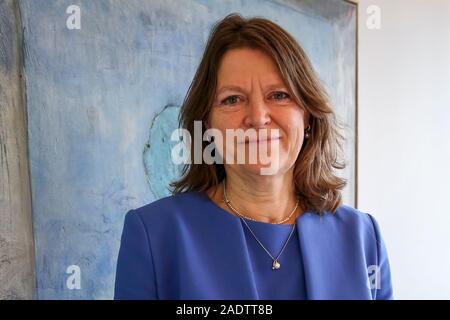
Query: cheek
[[223, 120], [292, 124], [295, 140]]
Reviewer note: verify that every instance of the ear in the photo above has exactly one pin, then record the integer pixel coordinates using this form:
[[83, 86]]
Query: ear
[[306, 119]]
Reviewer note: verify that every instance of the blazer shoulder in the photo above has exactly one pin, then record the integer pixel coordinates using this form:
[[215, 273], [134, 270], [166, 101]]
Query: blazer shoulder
[[351, 213], [359, 221], [352, 218], [165, 208]]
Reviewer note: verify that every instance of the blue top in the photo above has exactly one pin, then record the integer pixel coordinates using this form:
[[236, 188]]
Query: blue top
[[288, 282], [187, 247]]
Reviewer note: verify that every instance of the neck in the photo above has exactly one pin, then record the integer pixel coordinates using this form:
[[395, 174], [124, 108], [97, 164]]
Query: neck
[[264, 198]]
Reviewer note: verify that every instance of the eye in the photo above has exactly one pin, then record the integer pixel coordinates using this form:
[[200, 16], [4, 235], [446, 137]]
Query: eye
[[279, 95], [231, 100]]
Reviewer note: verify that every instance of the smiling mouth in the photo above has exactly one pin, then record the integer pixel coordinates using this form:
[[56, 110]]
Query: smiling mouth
[[247, 141]]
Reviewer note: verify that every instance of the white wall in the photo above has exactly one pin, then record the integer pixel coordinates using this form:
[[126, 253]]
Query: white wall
[[404, 139]]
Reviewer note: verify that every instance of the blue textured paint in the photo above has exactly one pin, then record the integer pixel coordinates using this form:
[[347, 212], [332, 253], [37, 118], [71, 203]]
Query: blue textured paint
[[157, 153], [93, 95]]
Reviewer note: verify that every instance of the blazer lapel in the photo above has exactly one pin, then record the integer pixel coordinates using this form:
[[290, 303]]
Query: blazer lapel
[[334, 265]]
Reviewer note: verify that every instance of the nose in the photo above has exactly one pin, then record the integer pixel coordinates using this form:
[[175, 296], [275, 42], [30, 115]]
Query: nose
[[258, 115]]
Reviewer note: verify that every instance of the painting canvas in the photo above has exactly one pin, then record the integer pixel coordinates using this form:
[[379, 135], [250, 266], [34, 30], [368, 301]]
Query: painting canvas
[[103, 99]]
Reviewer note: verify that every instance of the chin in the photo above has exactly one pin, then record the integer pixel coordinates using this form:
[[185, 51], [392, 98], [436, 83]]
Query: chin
[[264, 169]]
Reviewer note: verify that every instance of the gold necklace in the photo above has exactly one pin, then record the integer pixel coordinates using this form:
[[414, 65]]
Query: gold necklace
[[275, 261], [229, 204]]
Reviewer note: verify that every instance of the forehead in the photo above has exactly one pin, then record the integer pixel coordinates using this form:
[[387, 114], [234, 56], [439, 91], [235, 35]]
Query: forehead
[[243, 64]]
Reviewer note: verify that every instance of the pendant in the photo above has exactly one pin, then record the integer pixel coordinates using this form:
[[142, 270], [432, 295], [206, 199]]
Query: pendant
[[275, 265]]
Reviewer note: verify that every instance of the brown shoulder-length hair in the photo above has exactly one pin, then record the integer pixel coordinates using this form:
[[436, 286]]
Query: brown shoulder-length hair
[[315, 181]]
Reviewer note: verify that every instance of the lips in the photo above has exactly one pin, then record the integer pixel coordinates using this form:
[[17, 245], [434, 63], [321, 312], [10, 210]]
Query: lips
[[248, 141]]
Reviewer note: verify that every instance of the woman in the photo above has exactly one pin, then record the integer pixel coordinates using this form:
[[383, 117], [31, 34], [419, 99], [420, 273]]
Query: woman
[[234, 231]]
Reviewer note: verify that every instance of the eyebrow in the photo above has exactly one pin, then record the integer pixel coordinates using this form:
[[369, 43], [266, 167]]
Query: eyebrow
[[238, 88]]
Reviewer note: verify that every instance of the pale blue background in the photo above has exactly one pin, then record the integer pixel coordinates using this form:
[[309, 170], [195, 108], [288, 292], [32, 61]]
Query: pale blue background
[[101, 100]]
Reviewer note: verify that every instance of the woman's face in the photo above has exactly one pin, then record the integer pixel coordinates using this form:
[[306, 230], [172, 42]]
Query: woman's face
[[251, 95]]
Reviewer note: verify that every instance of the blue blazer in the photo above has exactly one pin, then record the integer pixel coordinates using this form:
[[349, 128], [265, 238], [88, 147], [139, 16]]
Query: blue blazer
[[186, 247]]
